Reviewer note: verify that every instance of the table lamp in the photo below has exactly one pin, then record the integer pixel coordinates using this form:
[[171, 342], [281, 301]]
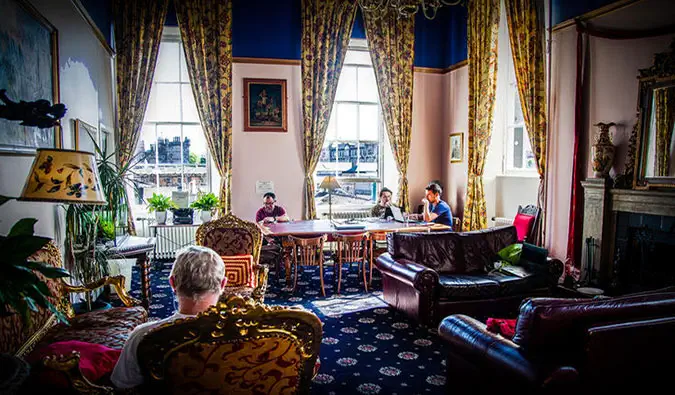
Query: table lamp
[[63, 176], [330, 183]]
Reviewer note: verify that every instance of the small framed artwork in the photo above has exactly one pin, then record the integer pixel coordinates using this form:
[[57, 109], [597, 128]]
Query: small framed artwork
[[85, 135], [456, 147], [265, 105]]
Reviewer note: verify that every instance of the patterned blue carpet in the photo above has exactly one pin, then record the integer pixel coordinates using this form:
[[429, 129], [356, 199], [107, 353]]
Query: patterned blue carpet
[[367, 347]]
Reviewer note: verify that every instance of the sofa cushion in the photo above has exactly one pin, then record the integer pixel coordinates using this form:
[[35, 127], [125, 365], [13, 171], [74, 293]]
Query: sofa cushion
[[439, 251], [476, 252], [239, 270], [109, 327], [511, 285], [467, 287], [523, 224]]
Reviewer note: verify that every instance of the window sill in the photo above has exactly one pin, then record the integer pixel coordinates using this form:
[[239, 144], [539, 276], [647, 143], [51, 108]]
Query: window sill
[[519, 175]]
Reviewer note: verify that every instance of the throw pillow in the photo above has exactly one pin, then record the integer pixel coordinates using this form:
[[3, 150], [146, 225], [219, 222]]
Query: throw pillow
[[239, 271], [504, 327], [96, 362], [523, 224]]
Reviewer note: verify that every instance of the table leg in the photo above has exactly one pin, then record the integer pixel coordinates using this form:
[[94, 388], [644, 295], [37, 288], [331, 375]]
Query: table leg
[[144, 263]]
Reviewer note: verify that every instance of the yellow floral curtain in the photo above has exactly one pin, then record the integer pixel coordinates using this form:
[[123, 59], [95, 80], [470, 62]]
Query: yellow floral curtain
[[664, 114], [392, 49], [483, 30], [526, 34], [206, 30], [326, 30], [138, 32]]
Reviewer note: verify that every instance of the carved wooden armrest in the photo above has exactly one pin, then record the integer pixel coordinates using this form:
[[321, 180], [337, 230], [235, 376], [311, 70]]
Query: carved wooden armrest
[[262, 272], [69, 364], [116, 281]]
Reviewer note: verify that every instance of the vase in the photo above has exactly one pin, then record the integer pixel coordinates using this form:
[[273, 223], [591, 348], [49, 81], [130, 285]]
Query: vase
[[603, 151], [160, 217], [205, 215]]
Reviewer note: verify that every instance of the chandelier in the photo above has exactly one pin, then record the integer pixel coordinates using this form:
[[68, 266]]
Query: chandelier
[[405, 8]]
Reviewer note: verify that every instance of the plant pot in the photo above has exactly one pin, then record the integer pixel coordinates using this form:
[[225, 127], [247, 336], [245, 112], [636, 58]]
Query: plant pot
[[160, 217], [205, 216]]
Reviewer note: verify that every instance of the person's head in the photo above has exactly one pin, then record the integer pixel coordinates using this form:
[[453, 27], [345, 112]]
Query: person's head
[[269, 199], [198, 276], [385, 196], [433, 192]]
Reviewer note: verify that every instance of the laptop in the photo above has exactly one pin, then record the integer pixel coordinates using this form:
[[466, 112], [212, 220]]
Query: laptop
[[398, 216]]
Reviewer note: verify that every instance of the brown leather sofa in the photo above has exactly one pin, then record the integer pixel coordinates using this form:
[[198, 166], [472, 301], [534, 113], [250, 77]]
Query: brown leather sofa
[[562, 345], [431, 275]]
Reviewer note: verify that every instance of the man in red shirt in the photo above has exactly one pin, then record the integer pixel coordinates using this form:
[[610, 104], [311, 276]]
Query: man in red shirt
[[270, 212]]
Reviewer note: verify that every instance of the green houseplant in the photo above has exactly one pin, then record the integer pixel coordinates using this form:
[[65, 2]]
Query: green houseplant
[[206, 203], [159, 204]]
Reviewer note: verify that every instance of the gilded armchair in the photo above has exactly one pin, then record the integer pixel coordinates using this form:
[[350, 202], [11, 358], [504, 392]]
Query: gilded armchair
[[239, 346], [232, 236], [109, 327]]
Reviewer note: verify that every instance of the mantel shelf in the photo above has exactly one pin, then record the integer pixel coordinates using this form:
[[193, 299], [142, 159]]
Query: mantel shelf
[[643, 202]]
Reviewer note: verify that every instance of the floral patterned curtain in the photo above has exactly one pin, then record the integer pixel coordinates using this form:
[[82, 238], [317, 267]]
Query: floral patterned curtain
[[392, 49], [138, 32], [664, 114], [326, 30], [526, 34], [483, 30], [206, 31]]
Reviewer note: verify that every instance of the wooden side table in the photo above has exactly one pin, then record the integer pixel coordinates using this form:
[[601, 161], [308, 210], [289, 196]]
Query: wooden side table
[[138, 248]]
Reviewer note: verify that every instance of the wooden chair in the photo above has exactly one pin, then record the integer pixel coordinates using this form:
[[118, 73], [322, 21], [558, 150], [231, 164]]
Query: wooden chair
[[351, 248], [310, 253], [239, 346], [376, 249]]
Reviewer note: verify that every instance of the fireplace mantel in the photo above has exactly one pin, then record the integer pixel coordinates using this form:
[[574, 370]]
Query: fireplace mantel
[[602, 204]]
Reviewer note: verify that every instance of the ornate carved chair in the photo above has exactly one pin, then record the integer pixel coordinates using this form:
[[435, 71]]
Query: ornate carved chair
[[231, 236], [109, 327], [239, 346]]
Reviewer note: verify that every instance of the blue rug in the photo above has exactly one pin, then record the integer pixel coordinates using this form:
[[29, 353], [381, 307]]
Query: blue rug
[[367, 347]]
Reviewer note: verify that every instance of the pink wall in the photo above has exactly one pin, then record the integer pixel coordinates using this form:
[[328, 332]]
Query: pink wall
[[456, 119]]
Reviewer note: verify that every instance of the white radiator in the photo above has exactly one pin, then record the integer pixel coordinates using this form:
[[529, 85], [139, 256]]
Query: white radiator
[[169, 238], [501, 221]]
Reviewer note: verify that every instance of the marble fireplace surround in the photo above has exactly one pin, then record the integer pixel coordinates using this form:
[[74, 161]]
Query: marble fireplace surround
[[602, 205]]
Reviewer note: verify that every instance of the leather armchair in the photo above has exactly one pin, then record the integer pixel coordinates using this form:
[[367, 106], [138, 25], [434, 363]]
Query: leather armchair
[[562, 345]]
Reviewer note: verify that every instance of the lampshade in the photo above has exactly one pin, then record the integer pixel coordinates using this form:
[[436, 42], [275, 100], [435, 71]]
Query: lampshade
[[65, 176], [329, 182]]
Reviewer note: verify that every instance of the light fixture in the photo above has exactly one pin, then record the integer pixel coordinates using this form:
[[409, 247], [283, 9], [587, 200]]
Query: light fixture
[[330, 183], [63, 176], [405, 8]]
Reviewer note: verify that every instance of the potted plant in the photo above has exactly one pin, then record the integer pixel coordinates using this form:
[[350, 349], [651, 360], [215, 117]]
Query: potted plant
[[160, 204], [206, 203]]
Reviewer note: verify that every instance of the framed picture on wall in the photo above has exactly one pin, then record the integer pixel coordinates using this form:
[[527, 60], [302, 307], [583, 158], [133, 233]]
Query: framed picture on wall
[[29, 71], [85, 135], [456, 147], [265, 105]]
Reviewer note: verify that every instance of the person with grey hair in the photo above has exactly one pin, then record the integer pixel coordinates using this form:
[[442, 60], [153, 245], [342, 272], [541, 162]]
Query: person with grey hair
[[197, 278]]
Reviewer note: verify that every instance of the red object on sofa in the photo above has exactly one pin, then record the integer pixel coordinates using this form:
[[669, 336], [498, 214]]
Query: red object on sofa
[[523, 224], [96, 361], [504, 327]]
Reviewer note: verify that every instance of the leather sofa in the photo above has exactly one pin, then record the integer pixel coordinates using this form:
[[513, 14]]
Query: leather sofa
[[431, 275], [567, 346]]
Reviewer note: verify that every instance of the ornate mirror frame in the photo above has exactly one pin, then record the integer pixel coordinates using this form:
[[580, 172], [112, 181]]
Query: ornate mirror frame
[[660, 74]]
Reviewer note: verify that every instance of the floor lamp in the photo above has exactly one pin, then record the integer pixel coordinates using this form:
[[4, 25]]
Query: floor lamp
[[330, 183]]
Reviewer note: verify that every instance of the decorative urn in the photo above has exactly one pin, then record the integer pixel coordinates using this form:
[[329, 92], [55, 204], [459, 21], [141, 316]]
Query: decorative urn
[[603, 151]]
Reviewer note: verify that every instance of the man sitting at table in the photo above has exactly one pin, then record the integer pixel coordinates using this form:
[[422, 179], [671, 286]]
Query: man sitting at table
[[383, 204], [435, 209], [270, 212]]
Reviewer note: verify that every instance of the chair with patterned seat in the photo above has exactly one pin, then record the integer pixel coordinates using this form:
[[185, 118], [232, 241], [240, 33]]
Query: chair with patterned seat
[[239, 346], [235, 240]]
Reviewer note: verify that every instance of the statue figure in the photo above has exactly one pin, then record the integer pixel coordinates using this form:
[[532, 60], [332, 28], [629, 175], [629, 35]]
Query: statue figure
[[37, 113]]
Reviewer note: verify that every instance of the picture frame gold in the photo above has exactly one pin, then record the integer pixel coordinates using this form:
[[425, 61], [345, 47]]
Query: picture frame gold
[[456, 147], [265, 105]]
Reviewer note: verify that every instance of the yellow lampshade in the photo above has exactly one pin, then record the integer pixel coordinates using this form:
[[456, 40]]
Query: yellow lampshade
[[63, 176], [329, 182]]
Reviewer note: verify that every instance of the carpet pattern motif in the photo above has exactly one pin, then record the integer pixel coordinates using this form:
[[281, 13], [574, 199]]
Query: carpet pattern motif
[[367, 348]]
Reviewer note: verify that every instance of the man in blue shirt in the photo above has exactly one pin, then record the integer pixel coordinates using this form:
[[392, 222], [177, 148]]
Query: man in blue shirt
[[436, 210]]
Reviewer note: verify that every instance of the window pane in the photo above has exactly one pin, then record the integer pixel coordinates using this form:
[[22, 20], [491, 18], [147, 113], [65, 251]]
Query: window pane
[[518, 148], [190, 113], [330, 132], [164, 103], [528, 154], [327, 161], [368, 122], [367, 85], [517, 110], [358, 57], [167, 65], [346, 89], [350, 193], [368, 159], [169, 155], [195, 169], [184, 76], [347, 121]]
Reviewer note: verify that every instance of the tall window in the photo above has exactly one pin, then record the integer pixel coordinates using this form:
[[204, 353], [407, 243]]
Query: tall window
[[172, 149], [354, 145]]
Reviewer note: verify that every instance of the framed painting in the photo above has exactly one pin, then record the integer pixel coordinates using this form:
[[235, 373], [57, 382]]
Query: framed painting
[[265, 105], [85, 135], [29, 71], [456, 147]]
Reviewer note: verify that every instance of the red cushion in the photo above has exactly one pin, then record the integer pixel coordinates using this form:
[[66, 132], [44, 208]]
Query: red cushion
[[96, 361], [523, 224], [239, 271], [504, 327]]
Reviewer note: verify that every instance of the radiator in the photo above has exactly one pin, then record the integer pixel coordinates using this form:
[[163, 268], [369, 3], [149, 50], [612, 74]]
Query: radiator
[[169, 239], [349, 214], [501, 221]]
